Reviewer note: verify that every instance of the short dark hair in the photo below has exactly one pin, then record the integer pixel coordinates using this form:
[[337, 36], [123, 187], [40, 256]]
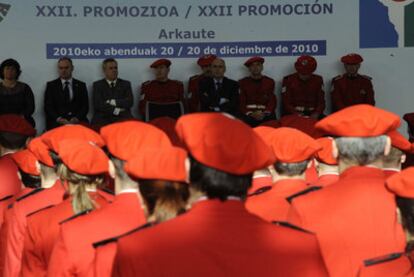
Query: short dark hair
[[164, 199], [406, 206], [12, 141], [29, 181], [291, 169], [218, 184], [10, 63], [109, 60], [66, 59]]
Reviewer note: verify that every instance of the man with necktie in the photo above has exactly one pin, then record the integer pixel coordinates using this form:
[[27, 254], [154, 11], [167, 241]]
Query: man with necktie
[[219, 93], [66, 99]]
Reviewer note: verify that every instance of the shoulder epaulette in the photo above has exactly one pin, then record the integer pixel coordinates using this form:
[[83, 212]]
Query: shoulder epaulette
[[42, 209], [111, 192], [303, 192], [260, 191], [366, 77], [115, 239], [382, 259], [75, 216], [33, 192], [291, 226], [177, 81], [6, 198], [146, 83], [337, 77], [194, 77]]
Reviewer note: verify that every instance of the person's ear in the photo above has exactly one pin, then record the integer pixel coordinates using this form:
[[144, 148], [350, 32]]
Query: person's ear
[[387, 148], [335, 152], [187, 170], [111, 170], [403, 158]]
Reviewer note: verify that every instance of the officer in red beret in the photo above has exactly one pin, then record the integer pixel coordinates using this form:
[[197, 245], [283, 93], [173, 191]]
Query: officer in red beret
[[193, 98], [397, 263], [351, 88], [257, 97], [355, 217], [302, 92], [162, 90]]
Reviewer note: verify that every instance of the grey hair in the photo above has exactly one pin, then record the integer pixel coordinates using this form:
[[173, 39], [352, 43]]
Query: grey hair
[[291, 169], [361, 151]]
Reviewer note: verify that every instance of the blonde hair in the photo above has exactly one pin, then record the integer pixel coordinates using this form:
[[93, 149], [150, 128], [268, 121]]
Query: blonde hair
[[81, 201]]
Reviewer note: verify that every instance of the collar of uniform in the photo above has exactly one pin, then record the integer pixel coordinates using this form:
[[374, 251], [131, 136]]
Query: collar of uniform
[[162, 82], [205, 198], [391, 169], [128, 191], [362, 172], [327, 173], [217, 206], [7, 153]]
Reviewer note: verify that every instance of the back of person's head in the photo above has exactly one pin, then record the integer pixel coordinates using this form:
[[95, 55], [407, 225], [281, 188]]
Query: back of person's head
[[81, 200], [291, 169], [164, 200], [361, 151], [218, 184], [12, 141], [394, 159]]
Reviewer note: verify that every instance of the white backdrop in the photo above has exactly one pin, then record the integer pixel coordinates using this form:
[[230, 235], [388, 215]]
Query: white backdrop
[[27, 27]]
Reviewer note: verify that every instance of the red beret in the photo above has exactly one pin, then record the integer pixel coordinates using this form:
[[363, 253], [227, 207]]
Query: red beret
[[83, 157], [304, 124], [399, 141], [352, 58], [306, 65], [53, 137], [263, 131], [325, 154], [409, 118], [126, 139], [359, 121], [167, 163], [253, 60], [159, 62], [40, 150], [206, 60], [16, 124], [26, 161], [290, 145], [167, 125], [224, 143], [402, 183], [271, 123]]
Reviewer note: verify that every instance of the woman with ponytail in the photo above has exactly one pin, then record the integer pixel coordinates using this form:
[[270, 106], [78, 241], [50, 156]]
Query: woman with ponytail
[[82, 168]]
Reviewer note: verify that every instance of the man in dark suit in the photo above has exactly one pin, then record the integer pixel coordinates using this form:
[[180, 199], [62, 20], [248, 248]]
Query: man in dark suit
[[219, 93], [112, 96], [66, 99]]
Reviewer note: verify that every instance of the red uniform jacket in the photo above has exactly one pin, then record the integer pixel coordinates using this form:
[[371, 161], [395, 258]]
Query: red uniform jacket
[[257, 95], [311, 175], [73, 254], [8, 200], [16, 225], [354, 219], [160, 92], [272, 205], [393, 265], [218, 238], [9, 180], [260, 182], [43, 229], [193, 93], [304, 94], [348, 91], [326, 180]]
